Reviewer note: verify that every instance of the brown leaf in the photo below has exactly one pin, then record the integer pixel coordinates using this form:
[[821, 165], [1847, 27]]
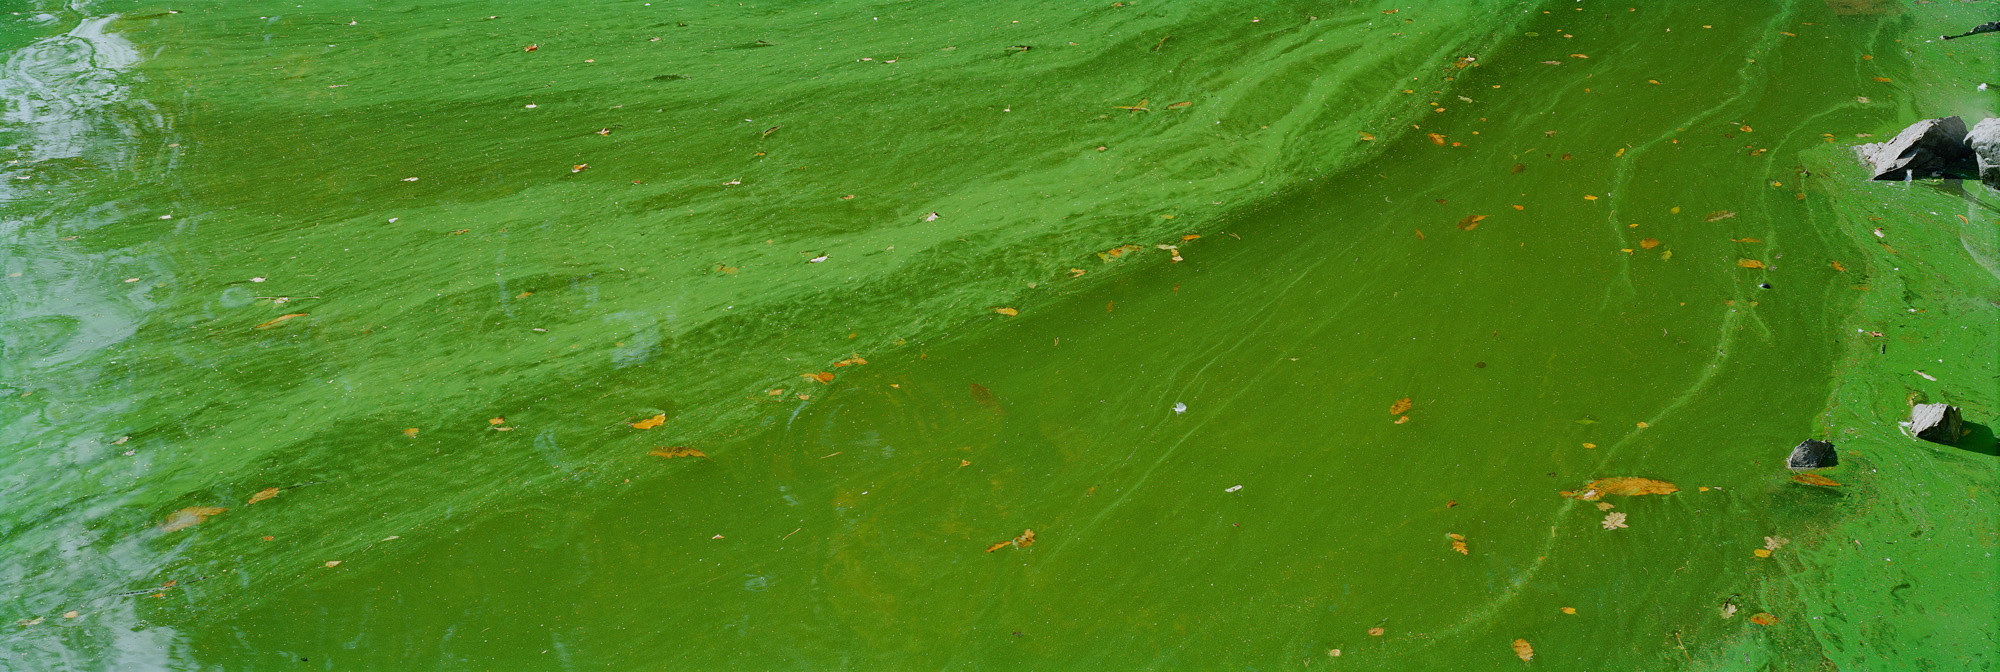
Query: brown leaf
[[823, 376], [280, 318], [1523, 651], [1375, 632], [656, 420], [1838, 267], [1026, 539], [1629, 486], [1437, 139], [1884, 79], [1815, 479], [1649, 243], [1518, 167], [188, 517], [1401, 405], [1469, 222], [1749, 263], [677, 451], [262, 495], [1763, 619], [1180, 105], [1718, 215]]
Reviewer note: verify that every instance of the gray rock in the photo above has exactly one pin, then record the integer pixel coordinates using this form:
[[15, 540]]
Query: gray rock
[[1812, 454], [1985, 143], [1929, 147], [1936, 423]]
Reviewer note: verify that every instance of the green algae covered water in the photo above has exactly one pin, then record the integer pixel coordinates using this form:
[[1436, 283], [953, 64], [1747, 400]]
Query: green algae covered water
[[634, 336]]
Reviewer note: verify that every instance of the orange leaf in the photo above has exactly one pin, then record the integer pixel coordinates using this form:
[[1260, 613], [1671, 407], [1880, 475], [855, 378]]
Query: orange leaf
[[823, 376], [496, 421], [188, 517], [1401, 405], [1460, 547], [1523, 651], [999, 546], [1815, 479], [1764, 619], [656, 420], [677, 451], [1884, 79], [1437, 139], [1375, 632], [1366, 136], [1420, 233], [280, 318], [1649, 243], [1010, 312], [1838, 267], [262, 495], [1749, 263], [1629, 486], [1469, 222]]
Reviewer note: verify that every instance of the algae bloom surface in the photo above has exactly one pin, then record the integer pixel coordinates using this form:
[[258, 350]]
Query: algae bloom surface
[[1002, 335]]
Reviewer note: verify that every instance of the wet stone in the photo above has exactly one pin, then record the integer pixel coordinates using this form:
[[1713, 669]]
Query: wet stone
[[1811, 454], [1927, 148], [1984, 139], [1936, 423]]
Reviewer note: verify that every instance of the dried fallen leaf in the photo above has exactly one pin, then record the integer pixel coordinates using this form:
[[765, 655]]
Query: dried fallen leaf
[[496, 421], [1578, 56], [1815, 479], [1437, 139], [851, 361], [1728, 610], [1838, 267], [1718, 215], [1180, 105], [280, 318], [1569, 610], [1401, 405], [1367, 136], [1884, 79], [1375, 632], [1459, 546], [1118, 251], [1523, 651], [1629, 486], [998, 546], [1763, 619], [1649, 243], [188, 517], [677, 451], [1762, 552], [1010, 312], [1469, 222], [411, 432], [1605, 506], [656, 420], [1749, 263], [985, 398], [262, 495], [1589, 197], [1775, 543], [1614, 520], [1026, 539]]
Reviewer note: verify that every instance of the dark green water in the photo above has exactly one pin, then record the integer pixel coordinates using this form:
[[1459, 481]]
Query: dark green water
[[501, 260]]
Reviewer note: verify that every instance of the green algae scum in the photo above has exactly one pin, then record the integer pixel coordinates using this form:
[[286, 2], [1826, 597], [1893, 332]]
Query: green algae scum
[[1006, 335]]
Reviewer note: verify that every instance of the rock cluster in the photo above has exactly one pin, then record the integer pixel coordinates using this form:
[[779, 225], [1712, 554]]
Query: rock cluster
[[1937, 147]]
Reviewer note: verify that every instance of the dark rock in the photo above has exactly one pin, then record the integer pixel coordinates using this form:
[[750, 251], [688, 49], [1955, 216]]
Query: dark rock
[[1936, 423], [1812, 455], [1984, 139], [1927, 148]]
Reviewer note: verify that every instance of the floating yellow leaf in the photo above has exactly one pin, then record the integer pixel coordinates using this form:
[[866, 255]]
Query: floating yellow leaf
[[1469, 222], [1437, 139], [1763, 619], [262, 495], [1590, 445], [1367, 136], [1649, 243], [661, 419], [851, 361], [1010, 312], [1762, 552], [677, 451], [1523, 651], [1628, 486], [1749, 263], [1838, 267], [1401, 405], [280, 318], [1589, 197], [496, 421], [1458, 544], [1746, 129], [188, 517], [1815, 479], [1026, 539], [1569, 610], [411, 432], [1376, 632]]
